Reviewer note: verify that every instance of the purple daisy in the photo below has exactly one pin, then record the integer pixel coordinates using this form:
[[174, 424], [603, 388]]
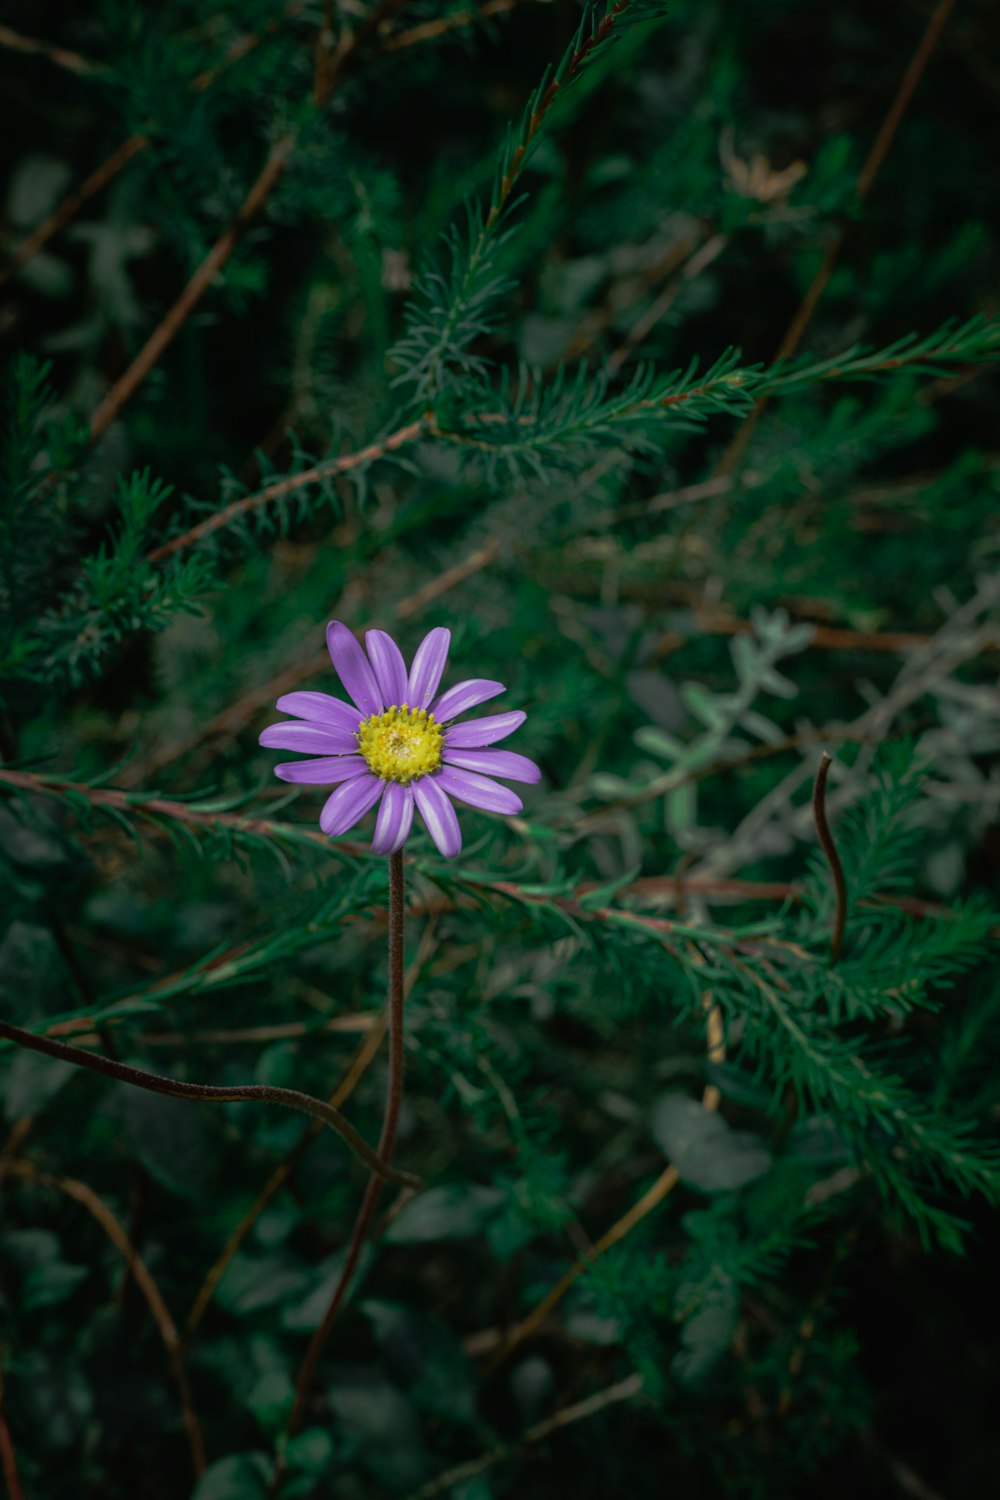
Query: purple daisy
[[396, 744]]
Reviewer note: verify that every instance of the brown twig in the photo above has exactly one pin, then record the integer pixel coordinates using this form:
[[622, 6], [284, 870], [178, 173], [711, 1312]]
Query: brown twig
[[358, 1021], [652, 1198], [161, 1316], [162, 807], [324, 44], [62, 57], [394, 1099], [624, 1390], [410, 433], [267, 179], [427, 31], [70, 206], [832, 857], [699, 261], [352, 41], [207, 1093], [124, 153], [866, 178], [128, 383]]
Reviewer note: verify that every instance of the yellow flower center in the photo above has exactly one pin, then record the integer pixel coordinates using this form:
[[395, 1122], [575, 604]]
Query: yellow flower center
[[402, 743]]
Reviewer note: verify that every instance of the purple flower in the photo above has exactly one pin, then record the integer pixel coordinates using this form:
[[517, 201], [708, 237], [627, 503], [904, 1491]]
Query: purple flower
[[396, 744]]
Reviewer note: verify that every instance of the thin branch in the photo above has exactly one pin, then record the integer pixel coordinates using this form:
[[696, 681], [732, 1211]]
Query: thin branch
[[62, 57], [207, 1093], [124, 153], [428, 31], [361, 1020], [70, 206], [139, 805], [128, 383], [371, 453], [624, 1390], [268, 177], [832, 857], [651, 1199], [143, 1279], [352, 41], [324, 44], [866, 178], [661, 305]]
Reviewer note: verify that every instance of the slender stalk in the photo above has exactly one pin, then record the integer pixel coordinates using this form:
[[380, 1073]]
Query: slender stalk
[[387, 1140], [833, 858]]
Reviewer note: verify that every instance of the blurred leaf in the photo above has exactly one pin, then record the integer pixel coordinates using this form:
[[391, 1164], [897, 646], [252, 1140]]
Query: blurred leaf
[[427, 1360], [32, 1082], [381, 1422], [240, 1476], [707, 1335], [174, 1140], [706, 1152], [455, 1211]]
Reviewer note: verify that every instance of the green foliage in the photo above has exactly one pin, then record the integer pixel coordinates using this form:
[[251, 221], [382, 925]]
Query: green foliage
[[487, 338]]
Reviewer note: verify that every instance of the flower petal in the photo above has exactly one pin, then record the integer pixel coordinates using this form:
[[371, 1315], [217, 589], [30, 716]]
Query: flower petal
[[349, 803], [463, 696], [484, 731], [439, 816], [323, 772], [494, 763], [428, 664], [395, 815], [353, 668], [319, 739], [320, 708], [388, 665], [478, 791]]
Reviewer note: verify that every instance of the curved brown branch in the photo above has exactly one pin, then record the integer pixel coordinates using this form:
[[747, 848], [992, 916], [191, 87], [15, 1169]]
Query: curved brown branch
[[206, 1093], [137, 1267], [363, 1057]]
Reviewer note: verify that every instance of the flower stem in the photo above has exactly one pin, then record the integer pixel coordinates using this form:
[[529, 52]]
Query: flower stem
[[387, 1140]]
